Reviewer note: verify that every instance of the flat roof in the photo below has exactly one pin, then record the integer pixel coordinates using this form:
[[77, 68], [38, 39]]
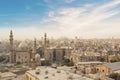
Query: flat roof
[[54, 74], [113, 66], [7, 74], [91, 62]]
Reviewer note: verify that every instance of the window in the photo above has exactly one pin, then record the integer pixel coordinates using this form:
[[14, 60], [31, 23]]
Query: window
[[97, 69], [103, 71]]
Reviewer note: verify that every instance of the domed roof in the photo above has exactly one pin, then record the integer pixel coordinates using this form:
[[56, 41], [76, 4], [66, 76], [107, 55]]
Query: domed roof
[[23, 45]]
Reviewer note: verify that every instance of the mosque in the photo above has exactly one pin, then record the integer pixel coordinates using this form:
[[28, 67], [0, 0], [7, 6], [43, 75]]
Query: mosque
[[37, 54]]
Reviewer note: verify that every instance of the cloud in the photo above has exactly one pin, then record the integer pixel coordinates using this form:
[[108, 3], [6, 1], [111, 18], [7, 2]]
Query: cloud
[[88, 21], [75, 21], [69, 1], [51, 14]]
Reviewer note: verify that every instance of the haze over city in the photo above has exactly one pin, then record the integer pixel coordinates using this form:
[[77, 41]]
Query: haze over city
[[59, 39], [66, 18]]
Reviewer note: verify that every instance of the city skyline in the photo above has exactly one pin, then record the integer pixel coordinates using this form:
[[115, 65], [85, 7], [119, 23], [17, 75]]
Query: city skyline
[[66, 18]]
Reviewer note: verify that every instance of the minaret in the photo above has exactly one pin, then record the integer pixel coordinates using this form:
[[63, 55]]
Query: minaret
[[35, 45], [34, 48], [48, 43], [12, 58], [32, 60], [45, 46], [45, 40], [11, 40]]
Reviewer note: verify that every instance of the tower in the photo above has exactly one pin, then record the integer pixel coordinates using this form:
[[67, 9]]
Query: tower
[[34, 48], [12, 56], [45, 46], [35, 45], [45, 40], [11, 40], [48, 43], [32, 60]]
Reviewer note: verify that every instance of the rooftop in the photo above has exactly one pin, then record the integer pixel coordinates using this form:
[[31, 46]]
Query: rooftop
[[7, 75], [91, 62], [55, 74], [113, 66]]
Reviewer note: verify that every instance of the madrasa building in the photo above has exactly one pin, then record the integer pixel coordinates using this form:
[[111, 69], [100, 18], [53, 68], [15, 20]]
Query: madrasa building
[[36, 53]]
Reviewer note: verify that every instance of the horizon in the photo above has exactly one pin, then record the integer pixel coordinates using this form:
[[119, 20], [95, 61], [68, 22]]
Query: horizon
[[29, 19], [56, 38]]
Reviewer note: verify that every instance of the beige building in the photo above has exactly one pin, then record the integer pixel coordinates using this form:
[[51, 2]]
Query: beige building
[[43, 73], [22, 56], [108, 67], [88, 67], [7, 76], [22, 53], [80, 56], [55, 54]]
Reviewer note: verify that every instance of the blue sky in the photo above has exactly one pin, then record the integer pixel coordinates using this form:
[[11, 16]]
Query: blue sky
[[17, 12], [84, 18]]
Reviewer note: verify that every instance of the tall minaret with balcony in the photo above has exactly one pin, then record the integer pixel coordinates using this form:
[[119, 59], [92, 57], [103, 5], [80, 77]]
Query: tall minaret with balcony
[[12, 56], [46, 41], [45, 46]]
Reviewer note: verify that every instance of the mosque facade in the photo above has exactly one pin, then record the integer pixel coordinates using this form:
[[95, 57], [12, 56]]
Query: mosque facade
[[36, 54]]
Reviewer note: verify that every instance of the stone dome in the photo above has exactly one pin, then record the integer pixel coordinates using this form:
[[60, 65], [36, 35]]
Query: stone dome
[[23, 45]]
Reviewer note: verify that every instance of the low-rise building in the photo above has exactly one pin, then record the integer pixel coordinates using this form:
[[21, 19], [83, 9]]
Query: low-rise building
[[22, 56], [7, 76], [108, 67], [43, 73], [88, 67]]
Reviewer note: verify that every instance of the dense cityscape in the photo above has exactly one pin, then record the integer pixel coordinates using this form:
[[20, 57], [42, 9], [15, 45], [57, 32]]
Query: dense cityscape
[[62, 59], [59, 39]]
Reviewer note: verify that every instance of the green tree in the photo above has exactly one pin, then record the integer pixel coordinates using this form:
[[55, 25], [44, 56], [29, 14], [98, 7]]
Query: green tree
[[115, 76], [113, 60], [67, 62], [47, 63]]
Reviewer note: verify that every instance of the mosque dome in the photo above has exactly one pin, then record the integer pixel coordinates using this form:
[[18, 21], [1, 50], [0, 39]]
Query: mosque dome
[[23, 45]]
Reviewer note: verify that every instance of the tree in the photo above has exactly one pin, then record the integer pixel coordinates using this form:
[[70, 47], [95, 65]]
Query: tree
[[47, 63], [18, 63], [67, 62], [113, 60], [115, 76]]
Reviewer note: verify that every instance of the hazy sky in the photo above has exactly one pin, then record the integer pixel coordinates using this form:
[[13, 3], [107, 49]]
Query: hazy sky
[[84, 18]]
